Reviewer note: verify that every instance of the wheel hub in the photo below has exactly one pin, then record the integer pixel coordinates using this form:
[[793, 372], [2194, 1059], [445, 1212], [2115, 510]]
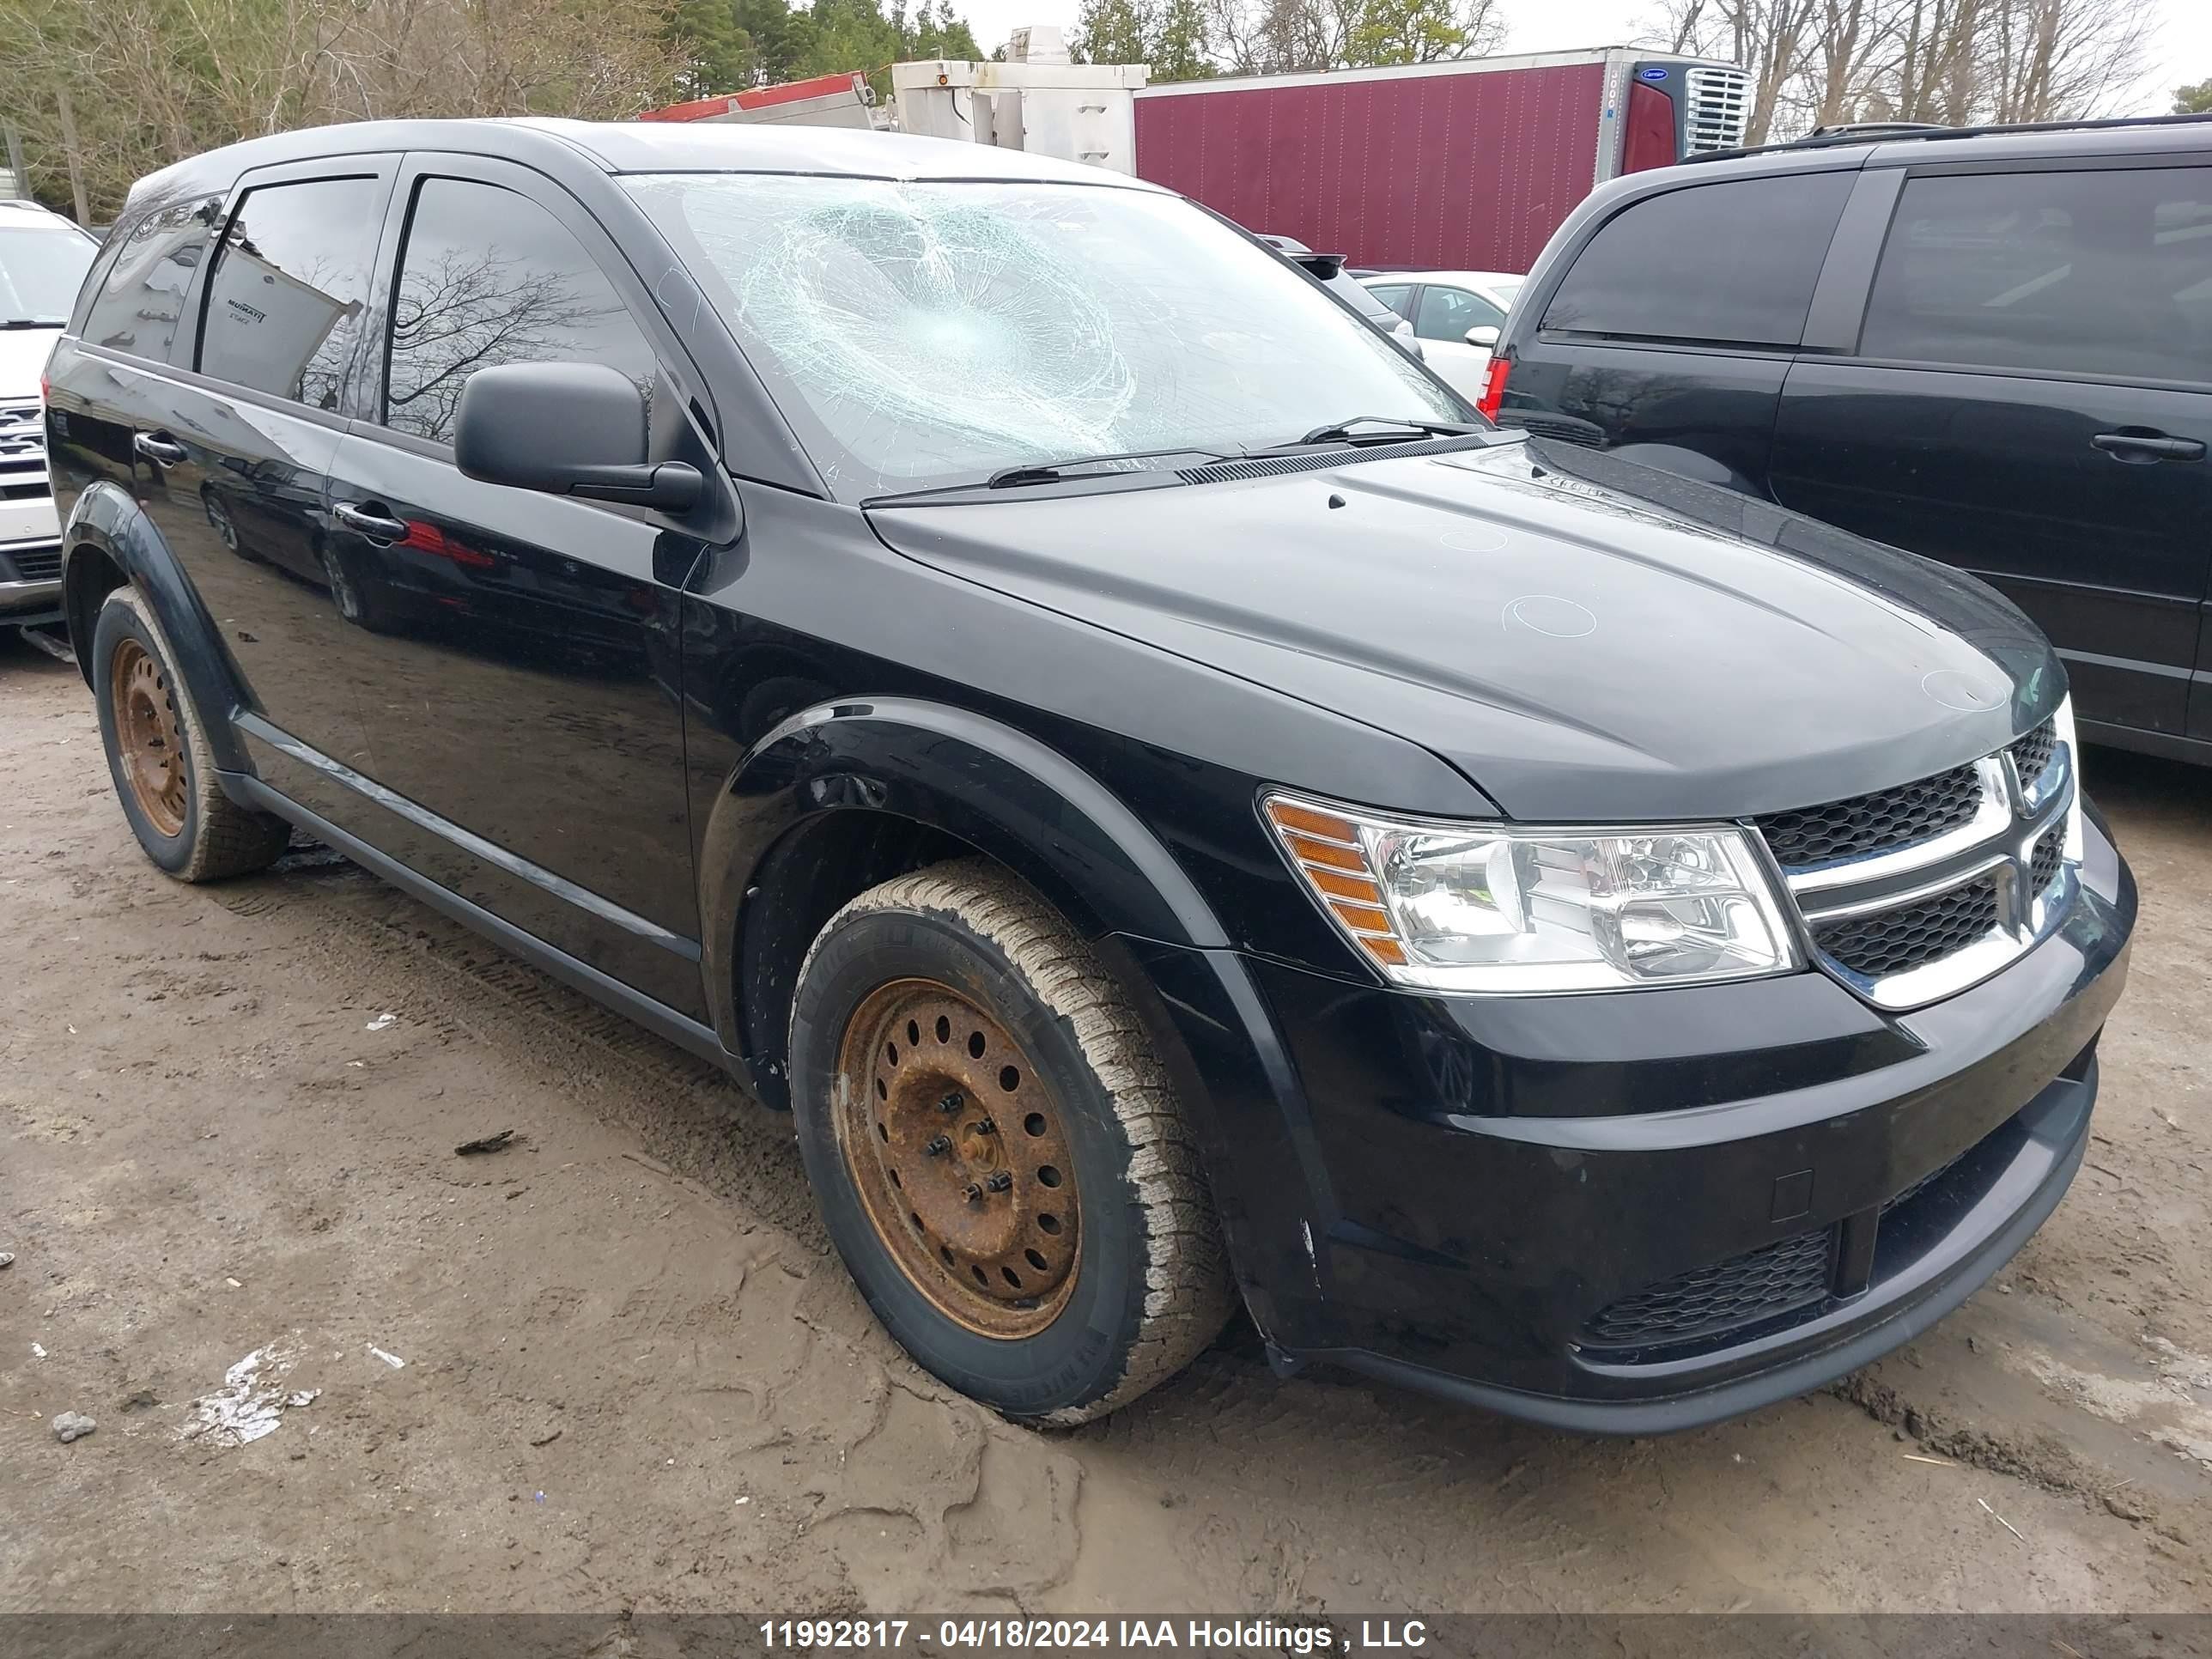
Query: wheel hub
[[147, 733], [960, 1155]]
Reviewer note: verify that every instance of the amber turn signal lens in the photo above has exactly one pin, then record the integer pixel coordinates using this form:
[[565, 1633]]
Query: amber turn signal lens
[[1290, 816]]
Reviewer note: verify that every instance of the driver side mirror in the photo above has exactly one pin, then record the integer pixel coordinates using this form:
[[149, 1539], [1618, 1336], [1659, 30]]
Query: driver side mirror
[[566, 429], [1483, 334]]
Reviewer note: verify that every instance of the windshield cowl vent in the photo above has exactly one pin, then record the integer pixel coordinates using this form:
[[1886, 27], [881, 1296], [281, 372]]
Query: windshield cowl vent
[[1273, 466]]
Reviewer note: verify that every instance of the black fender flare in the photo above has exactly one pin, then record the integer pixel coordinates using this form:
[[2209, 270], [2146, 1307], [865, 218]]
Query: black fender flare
[[105, 520], [949, 770]]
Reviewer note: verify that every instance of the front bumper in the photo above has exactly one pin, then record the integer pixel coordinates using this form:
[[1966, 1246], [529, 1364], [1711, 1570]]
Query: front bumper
[[30, 551], [1631, 1213], [26, 601]]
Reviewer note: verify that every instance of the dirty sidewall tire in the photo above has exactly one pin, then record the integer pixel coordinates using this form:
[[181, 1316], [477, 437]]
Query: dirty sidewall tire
[[217, 837], [1152, 1287]]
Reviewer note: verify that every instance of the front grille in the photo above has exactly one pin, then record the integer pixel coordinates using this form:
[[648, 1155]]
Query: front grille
[[22, 434], [1879, 823], [23, 490], [1720, 108], [2032, 753], [42, 565], [2043, 863], [1896, 941], [1744, 1291]]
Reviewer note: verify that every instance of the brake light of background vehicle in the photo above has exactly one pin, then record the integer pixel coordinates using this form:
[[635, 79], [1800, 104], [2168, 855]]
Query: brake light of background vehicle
[[428, 538], [1494, 388]]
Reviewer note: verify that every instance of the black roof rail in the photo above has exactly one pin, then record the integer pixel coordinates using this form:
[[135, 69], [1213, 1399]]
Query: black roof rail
[[1881, 132]]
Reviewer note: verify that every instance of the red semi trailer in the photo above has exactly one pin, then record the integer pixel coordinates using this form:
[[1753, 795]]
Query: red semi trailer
[[1465, 166]]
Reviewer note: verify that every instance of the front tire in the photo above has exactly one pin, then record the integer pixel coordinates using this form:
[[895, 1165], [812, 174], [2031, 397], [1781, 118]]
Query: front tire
[[997, 1152], [158, 755]]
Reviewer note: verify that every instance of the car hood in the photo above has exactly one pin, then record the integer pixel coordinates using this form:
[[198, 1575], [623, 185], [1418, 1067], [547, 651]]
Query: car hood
[[23, 354], [1584, 638]]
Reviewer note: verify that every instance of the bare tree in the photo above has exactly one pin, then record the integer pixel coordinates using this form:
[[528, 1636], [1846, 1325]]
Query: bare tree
[[1816, 63], [149, 82], [1271, 37], [1767, 37]]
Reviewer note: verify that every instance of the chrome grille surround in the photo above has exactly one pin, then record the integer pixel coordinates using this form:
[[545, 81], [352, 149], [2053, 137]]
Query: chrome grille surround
[[2008, 843]]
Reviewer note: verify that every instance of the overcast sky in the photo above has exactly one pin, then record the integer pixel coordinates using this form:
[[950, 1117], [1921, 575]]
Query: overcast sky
[[2183, 52]]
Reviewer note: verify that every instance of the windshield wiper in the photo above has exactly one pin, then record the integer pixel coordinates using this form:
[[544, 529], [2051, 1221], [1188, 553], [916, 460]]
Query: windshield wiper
[[1341, 432], [12, 322]]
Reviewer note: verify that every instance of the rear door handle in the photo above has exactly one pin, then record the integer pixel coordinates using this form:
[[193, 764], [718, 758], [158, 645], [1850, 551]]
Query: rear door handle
[[162, 452], [377, 527], [2129, 446]]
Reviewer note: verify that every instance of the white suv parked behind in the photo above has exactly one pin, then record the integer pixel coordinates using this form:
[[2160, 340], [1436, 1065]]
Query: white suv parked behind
[[43, 260]]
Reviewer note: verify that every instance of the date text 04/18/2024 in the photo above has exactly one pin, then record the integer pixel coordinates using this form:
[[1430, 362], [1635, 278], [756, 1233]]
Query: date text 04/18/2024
[[1096, 1635]]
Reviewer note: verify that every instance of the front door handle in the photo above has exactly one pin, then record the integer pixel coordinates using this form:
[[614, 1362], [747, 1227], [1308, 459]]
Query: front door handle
[[377, 527], [2131, 445], [162, 452]]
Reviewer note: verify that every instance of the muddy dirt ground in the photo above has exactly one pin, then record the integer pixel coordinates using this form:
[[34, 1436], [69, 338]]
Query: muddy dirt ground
[[634, 1377]]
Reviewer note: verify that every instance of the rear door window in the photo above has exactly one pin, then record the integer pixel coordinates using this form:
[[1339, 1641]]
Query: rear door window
[[1447, 314], [488, 276], [1398, 296], [284, 300], [2104, 272], [1732, 263], [138, 302]]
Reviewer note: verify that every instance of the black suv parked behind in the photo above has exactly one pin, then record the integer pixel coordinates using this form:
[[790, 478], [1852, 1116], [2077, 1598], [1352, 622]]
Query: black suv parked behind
[[1992, 347], [1548, 932]]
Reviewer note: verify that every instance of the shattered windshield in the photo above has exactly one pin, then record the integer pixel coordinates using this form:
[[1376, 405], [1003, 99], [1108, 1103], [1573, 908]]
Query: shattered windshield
[[928, 333]]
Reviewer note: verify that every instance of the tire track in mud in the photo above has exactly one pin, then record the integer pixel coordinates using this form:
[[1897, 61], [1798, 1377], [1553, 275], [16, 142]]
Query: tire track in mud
[[687, 1113]]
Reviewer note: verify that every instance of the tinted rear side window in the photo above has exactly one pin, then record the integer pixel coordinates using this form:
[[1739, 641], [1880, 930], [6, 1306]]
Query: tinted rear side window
[[138, 302], [2106, 272], [488, 276], [284, 300], [1732, 262], [1398, 299], [1447, 314]]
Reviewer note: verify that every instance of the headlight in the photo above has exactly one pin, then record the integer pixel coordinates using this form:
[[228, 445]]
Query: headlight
[[1479, 907]]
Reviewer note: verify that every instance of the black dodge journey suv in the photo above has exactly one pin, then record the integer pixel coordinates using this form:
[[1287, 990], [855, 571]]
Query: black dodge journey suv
[[1181, 810]]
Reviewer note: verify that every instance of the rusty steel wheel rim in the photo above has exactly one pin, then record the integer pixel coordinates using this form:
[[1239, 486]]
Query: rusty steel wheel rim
[[960, 1154], [146, 733]]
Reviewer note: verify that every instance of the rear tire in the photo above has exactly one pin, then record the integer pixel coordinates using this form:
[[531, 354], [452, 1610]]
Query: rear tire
[[158, 754], [1048, 1244], [356, 600]]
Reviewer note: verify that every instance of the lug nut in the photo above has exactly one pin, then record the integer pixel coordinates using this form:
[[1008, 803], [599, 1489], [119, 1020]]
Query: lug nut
[[999, 1181], [952, 1102], [938, 1146], [987, 1127], [975, 1193]]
